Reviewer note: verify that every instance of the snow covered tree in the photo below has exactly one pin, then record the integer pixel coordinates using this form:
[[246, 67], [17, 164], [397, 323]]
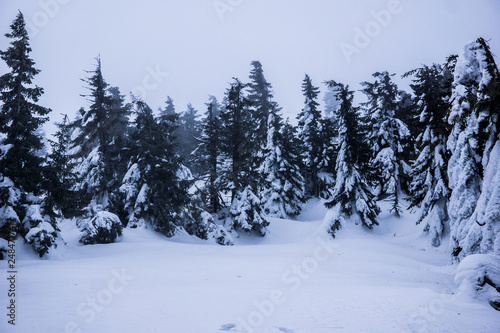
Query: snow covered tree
[[21, 166], [208, 155], [260, 95], [474, 207], [283, 187], [387, 137], [351, 194], [155, 193], [103, 228], [99, 146], [310, 134], [237, 175], [429, 188], [329, 140]]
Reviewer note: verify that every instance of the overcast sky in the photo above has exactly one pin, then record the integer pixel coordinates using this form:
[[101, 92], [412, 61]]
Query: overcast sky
[[189, 49]]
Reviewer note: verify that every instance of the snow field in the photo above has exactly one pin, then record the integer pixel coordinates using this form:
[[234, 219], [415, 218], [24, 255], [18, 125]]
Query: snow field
[[294, 279]]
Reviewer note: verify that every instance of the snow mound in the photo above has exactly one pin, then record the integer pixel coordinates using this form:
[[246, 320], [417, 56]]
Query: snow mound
[[104, 227], [478, 276]]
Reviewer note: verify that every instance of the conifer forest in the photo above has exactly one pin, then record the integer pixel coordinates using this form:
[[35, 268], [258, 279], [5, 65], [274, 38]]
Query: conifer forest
[[196, 193]]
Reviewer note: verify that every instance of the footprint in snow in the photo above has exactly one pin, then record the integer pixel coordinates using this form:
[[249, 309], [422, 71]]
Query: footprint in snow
[[227, 327]]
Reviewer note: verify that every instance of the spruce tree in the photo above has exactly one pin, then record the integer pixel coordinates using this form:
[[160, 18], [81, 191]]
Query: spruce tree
[[21, 167], [155, 193], [429, 188], [21, 117], [260, 96], [208, 155], [283, 186], [238, 175], [310, 134], [475, 153], [94, 158], [351, 194], [59, 175], [388, 138], [99, 148]]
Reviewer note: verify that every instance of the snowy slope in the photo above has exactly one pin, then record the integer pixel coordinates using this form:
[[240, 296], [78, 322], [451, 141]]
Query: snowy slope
[[294, 279]]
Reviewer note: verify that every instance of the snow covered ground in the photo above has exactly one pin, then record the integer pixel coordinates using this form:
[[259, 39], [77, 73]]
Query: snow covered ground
[[294, 279]]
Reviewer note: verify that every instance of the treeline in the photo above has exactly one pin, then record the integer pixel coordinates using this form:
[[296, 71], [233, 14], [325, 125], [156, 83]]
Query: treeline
[[120, 164]]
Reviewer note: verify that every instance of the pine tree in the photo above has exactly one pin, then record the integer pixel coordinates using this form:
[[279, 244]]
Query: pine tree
[[388, 137], [238, 176], [329, 139], [351, 195], [429, 188], [260, 97], [283, 186], [473, 143], [208, 154], [155, 191], [310, 134], [118, 114], [94, 167], [102, 134], [21, 117], [21, 167], [59, 175]]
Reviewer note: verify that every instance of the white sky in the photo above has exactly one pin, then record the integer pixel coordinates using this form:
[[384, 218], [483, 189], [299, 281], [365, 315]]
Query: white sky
[[196, 49]]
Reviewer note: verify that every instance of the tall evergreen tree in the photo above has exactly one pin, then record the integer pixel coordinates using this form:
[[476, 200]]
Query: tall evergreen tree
[[21, 169], [351, 195], [388, 137], [102, 134], [238, 176], [310, 134], [260, 96], [475, 153], [429, 188], [119, 113], [208, 155], [155, 190], [283, 187], [94, 167], [21, 117]]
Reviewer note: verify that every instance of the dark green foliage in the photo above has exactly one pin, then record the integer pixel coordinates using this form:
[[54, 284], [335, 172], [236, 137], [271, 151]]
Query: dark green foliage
[[153, 151], [59, 176], [310, 134], [208, 155], [21, 117], [101, 144], [236, 141], [432, 88]]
